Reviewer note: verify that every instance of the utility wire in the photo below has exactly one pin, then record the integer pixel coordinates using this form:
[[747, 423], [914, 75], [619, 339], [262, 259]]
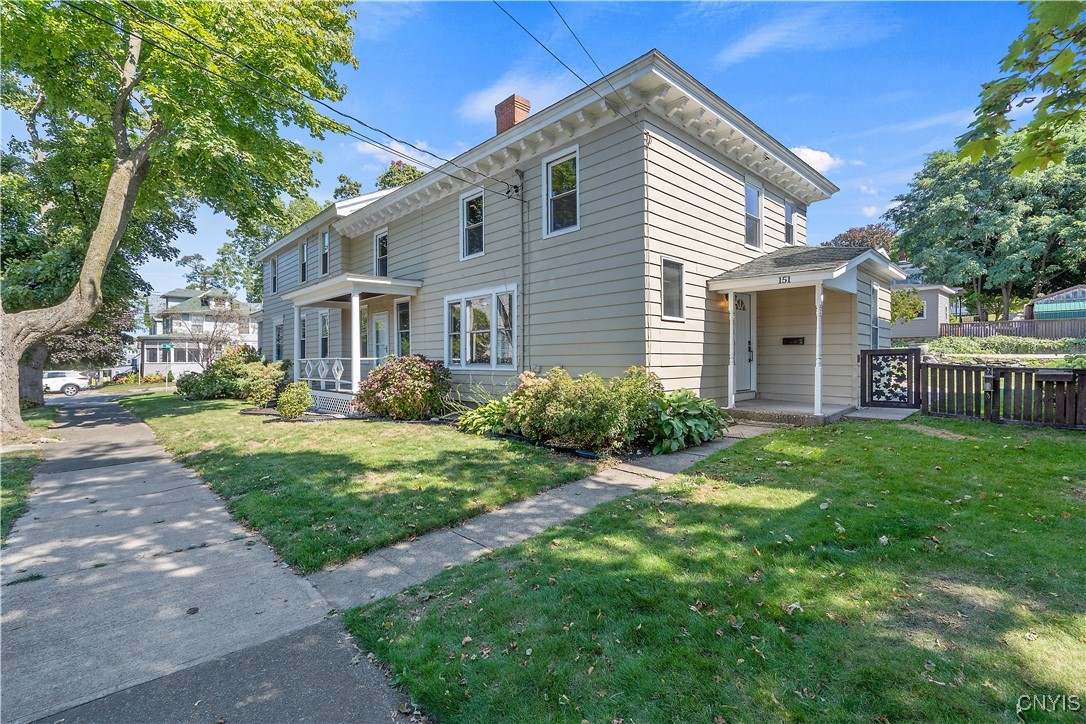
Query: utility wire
[[563, 63], [598, 68], [340, 127], [302, 93]]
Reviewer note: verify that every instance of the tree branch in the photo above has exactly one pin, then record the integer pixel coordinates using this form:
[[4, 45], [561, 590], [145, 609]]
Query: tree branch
[[129, 78]]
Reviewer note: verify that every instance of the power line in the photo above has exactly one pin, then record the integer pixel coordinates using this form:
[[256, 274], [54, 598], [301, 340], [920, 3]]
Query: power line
[[340, 127], [301, 92], [562, 62], [598, 68]]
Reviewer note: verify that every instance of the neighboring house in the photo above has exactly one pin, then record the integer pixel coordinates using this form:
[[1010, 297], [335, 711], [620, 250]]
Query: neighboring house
[[652, 226], [199, 324], [1067, 303], [938, 301]]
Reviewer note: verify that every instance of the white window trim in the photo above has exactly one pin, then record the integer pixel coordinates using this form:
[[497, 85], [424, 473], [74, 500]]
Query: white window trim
[[923, 312], [753, 182], [275, 275], [876, 330], [376, 235], [463, 298], [396, 323], [464, 198], [575, 152], [303, 262], [323, 323], [788, 203], [682, 288], [324, 236], [303, 340], [279, 322]]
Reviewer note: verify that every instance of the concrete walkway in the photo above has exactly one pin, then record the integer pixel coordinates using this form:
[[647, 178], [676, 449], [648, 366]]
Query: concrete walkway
[[152, 605]]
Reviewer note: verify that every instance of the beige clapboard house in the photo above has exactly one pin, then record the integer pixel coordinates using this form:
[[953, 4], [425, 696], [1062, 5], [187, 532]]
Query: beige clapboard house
[[641, 221]]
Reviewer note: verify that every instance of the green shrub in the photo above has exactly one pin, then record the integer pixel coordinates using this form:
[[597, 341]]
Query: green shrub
[[261, 383], [1074, 362], [489, 417], [682, 420], [294, 400], [221, 379], [1003, 344], [636, 391], [405, 388], [154, 377]]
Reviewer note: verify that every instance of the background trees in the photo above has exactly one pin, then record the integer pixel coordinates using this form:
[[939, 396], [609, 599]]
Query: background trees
[[877, 236], [398, 174], [166, 118]]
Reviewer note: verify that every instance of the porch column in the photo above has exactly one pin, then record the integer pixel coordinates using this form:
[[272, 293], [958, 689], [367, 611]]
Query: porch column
[[356, 343], [731, 349], [297, 342], [818, 349]]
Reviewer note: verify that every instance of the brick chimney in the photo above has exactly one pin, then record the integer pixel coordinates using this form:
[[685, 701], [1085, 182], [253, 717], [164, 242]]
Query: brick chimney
[[511, 111]]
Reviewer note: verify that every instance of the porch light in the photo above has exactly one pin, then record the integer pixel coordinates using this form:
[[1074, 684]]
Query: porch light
[[724, 303]]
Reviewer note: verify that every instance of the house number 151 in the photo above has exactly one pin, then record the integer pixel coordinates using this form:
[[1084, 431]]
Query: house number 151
[[784, 280]]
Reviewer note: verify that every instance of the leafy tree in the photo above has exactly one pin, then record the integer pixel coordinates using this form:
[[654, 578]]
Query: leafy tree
[[200, 274], [976, 225], [398, 174], [236, 266], [177, 118], [876, 236], [100, 343], [905, 305], [1046, 64], [348, 188]]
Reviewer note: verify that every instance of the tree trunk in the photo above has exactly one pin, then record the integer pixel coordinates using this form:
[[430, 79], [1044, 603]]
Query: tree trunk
[[20, 330], [980, 301], [31, 392], [1007, 289]]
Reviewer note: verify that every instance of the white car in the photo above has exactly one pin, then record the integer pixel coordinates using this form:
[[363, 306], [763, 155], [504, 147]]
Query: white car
[[67, 381]]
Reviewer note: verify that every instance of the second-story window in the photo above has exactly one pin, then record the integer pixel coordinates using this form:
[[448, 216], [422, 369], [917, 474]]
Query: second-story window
[[754, 216], [275, 274], [324, 253], [789, 224], [380, 254], [471, 225], [303, 261], [560, 193]]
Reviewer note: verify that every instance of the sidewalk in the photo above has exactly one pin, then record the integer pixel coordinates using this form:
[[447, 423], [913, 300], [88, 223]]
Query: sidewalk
[[154, 606]]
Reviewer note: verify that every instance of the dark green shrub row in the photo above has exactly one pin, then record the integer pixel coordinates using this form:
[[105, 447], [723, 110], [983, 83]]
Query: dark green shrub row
[[590, 413], [237, 373], [1003, 344]]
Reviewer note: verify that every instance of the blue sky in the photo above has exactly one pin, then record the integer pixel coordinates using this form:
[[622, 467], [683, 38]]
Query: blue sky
[[867, 89]]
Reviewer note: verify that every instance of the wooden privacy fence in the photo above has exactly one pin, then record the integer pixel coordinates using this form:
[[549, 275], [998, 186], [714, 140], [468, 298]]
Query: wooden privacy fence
[[1018, 395], [1040, 328]]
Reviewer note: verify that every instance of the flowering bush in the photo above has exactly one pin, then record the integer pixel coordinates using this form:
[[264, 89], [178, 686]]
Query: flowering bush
[[405, 388]]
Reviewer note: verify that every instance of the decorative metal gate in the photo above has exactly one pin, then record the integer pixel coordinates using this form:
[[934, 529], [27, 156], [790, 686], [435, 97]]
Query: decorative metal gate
[[890, 378]]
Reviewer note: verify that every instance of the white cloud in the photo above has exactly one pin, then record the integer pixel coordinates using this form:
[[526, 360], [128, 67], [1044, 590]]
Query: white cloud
[[820, 161], [540, 90], [377, 20], [869, 189], [821, 27], [870, 212]]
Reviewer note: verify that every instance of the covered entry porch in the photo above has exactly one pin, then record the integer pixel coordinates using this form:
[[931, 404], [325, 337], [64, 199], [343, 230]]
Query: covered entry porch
[[336, 352], [797, 318]]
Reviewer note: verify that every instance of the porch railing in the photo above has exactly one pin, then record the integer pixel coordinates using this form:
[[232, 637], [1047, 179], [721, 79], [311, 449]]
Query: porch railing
[[332, 373]]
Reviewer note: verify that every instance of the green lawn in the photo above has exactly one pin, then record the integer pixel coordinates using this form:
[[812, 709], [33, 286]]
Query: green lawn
[[17, 468], [323, 493], [757, 588]]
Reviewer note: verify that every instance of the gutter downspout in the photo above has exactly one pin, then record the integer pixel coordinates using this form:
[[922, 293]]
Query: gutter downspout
[[522, 289]]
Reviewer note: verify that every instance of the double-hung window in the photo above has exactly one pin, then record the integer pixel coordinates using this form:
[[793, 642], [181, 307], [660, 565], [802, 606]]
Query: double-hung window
[[480, 329], [403, 328], [278, 342], [303, 261], [754, 216], [560, 194], [324, 253], [380, 253], [323, 322], [471, 225], [875, 294], [275, 274], [301, 335], [923, 310], [673, 302], [789, 224]]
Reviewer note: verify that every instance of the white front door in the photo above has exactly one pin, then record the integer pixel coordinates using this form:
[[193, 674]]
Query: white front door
[[380, 336], [744, 344]]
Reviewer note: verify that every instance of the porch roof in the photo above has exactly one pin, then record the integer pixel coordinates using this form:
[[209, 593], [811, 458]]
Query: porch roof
[[800, 266], [339, 289]]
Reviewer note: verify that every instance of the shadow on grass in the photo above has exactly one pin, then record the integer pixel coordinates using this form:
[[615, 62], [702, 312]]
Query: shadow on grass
[[773, 599]]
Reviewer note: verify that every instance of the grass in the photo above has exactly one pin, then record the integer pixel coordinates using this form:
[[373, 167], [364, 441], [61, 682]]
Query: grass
[[17, 469], [756, 588], [323, 493]]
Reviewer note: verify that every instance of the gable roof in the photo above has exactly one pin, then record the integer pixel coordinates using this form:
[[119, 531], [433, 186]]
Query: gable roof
[[804, 266], [794, 260], [651, 84], [180, 293], [1059, 294], [334, 210], [196, 304]]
